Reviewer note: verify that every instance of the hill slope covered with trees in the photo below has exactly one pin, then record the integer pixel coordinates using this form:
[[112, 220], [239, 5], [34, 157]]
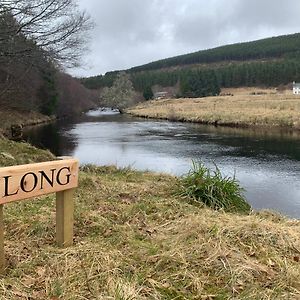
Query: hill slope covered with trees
[[268, 62], [285, 46]]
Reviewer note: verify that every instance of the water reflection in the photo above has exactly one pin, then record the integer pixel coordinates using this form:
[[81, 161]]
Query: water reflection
[[267, 162], [52, 137]]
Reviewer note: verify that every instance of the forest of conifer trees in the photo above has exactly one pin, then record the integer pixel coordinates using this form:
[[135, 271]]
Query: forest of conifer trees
[[267, 63]]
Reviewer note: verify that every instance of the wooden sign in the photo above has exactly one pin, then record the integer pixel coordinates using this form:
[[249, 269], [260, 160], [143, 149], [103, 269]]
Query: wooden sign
[[32, 180], [27, 181]]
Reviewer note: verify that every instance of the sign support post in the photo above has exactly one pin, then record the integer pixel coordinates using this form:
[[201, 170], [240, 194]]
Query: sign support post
[[64, 218], [2, 258]]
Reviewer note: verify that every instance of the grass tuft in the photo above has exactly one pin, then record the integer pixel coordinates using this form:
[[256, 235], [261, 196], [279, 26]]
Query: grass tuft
[[214, 189]]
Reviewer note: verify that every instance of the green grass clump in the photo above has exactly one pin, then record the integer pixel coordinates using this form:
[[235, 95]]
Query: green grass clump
[[214, 189]]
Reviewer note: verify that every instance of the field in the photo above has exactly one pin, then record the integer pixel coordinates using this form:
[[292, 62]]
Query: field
[[241, 107], [136, 239]]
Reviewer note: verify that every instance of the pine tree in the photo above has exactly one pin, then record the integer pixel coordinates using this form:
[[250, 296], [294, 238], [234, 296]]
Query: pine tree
[[148, 94]]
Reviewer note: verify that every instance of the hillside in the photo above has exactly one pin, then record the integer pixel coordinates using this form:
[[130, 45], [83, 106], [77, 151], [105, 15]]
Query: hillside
[[285, 46], [268, 62]]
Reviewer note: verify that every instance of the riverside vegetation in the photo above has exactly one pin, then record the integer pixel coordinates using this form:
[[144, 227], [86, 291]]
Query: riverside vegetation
[[243, 107], [37, 43], [136, 237], [213, 189]]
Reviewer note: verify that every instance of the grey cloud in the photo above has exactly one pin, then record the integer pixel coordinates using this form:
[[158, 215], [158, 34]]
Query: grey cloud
[[133, 32]]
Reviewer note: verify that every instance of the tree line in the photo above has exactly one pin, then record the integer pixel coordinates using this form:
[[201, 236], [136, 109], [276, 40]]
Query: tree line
[[193, 83], [201, 82], [275, 47], [268, 62], [38, 39]]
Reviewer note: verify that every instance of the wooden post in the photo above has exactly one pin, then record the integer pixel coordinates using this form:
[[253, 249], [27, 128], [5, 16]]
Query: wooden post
[[2, 259], [64, 218]]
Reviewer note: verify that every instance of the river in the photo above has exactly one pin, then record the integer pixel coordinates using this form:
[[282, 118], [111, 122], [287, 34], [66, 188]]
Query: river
[[265, 161]]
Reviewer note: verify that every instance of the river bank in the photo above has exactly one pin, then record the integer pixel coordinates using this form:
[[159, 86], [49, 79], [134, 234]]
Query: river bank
[[237, 108], [13, 121], [135, 239]]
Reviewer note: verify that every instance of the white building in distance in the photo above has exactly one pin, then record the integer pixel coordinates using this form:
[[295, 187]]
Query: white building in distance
[[164, 95], [296, 88]]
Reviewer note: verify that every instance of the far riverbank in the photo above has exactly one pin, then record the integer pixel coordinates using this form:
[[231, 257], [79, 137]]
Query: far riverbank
[[238, 108]]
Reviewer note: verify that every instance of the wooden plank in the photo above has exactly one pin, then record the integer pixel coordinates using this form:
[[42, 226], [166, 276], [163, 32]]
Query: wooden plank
[[2, 257], [32, 180], [64, 218]]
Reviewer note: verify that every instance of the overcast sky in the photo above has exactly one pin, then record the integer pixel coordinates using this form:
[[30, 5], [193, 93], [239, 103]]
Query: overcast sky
[[128, 33]]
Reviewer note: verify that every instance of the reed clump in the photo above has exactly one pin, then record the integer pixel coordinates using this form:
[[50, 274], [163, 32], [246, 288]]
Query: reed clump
[[213, 189]]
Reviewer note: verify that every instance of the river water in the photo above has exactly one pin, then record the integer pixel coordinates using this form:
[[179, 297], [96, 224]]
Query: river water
[[266, 162]]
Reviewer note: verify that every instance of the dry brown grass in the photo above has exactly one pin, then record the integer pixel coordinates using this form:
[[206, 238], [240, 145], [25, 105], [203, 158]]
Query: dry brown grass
[[134, 239], [266, 108], [11, 117], [12, 153]]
